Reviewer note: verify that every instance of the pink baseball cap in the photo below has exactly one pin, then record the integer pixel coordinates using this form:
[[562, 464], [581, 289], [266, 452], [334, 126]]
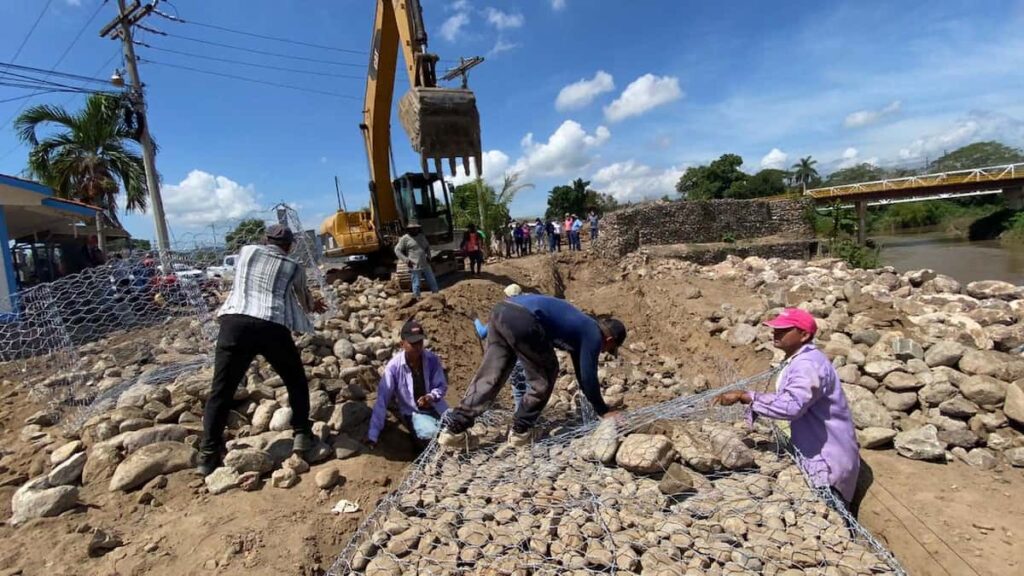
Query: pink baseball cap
[[794, 318]]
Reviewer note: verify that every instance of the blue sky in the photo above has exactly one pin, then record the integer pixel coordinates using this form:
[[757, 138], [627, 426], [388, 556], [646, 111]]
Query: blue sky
[[626, 94]]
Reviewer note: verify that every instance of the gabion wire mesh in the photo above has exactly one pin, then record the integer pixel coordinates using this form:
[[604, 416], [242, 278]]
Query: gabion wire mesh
[[171, 296], [559, 506]]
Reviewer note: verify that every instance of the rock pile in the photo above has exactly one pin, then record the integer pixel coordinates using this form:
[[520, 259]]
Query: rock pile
[[929, 366], [670, 505], [153, 429]]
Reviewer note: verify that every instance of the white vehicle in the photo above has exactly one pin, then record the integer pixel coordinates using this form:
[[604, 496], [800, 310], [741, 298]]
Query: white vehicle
[[186, 272], [226, 271]]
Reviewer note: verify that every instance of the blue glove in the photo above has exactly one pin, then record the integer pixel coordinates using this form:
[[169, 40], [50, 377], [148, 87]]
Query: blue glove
[[481, 328]]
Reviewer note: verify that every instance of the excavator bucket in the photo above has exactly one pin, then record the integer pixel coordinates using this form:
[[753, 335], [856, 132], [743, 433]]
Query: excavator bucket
[[442, 123]]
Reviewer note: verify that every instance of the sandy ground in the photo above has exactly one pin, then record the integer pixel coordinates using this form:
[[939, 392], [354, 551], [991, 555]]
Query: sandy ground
[[938, 519]]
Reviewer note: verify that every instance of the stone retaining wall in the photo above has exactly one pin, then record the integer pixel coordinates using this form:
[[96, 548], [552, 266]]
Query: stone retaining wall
[[685, 222]]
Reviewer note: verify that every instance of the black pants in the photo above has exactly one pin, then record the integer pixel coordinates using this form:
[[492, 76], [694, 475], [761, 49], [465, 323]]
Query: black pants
[[514, 333], [240, 339]]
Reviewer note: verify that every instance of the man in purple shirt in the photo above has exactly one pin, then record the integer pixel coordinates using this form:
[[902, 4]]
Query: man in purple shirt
[[809, 395], [414, 379]]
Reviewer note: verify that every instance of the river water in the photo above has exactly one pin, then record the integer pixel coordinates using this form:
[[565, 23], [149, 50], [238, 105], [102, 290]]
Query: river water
[[952, 255]]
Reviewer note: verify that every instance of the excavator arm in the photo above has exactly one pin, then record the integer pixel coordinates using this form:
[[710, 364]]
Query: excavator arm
[[440, 122]]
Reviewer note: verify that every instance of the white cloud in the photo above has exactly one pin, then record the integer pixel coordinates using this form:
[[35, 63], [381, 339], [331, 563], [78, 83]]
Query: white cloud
[[203, 198], [503, 20], [643, 94], [495, 166], [629, 182], [582, 92], [975, 127], [851, 157], [557, 4], [73, 2], [862, 118], [568, 151], [451, 27], [775, 159], [501, 45]]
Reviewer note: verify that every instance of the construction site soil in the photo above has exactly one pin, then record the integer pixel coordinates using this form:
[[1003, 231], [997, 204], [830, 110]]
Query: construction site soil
[[936, 518]]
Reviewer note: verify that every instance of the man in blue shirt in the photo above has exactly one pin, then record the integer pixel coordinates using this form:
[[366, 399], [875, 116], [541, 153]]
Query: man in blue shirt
[[529, 328]]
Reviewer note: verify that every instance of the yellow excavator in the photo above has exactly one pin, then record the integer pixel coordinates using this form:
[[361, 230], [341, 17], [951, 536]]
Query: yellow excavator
[[442, 123]]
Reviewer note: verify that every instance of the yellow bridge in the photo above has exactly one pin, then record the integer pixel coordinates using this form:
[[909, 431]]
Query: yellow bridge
[[928, 186]]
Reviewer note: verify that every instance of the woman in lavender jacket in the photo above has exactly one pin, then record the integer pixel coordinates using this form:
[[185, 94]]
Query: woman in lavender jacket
[[808, 394]]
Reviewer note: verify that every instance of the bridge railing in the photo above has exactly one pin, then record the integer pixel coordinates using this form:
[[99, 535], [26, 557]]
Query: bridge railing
[[993, 174]]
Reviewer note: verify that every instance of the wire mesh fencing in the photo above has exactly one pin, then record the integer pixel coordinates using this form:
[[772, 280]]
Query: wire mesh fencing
[[680, 487], [139, 319]]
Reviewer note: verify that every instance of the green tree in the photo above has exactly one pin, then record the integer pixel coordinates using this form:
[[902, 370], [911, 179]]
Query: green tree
[[91, 156], [714, 180], [466, 202], [977, 155], [767, 182], [601, 203], [863, 172], [804, 172], [248, 231], [571, 199]]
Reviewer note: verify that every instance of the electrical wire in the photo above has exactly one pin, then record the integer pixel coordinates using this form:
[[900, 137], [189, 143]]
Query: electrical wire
[[253, 80], [31, 30], [253, 64], [262, 36], [67, 75], [260, 52]]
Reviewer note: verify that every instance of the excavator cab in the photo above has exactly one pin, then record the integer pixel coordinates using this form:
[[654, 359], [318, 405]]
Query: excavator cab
[[424, 198]]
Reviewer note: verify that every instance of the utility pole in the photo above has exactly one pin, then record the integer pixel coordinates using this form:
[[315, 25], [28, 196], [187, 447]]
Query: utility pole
[[128, 17]]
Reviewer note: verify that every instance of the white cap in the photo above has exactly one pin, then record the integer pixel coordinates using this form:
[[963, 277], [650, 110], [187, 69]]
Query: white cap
[[513, 290]]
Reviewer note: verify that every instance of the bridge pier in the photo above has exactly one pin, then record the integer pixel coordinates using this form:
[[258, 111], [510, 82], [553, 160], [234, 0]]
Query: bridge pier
[[1014, 197], [862, 222]]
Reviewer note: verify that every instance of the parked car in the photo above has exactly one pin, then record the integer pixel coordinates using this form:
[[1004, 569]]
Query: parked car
[[225, 272]]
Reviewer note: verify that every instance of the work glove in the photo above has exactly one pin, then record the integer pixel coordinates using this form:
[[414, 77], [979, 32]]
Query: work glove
[[481, 328]]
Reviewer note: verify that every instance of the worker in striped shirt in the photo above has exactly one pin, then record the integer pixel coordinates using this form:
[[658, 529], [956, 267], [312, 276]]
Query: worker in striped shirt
[[269, 300]]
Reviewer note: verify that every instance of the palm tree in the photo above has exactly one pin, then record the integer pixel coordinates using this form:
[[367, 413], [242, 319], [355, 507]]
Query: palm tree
[[510, 187], [91, 156], [804, 171]]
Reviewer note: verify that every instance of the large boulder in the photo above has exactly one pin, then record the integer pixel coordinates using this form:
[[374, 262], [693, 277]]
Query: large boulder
[[742, 335], [604, 442], [936, 393], [249, 460], [159, 433], [902, 382], [730, 450], [983, 390], [944, 353], [344, 350], [68, 472], [881, 368], [645, 453], [867, 411], [100, 464], [999, 365], [920, 444], [983, 289], [151, 461], [1013, 405], [871, 438], [37, 499], [897, 401], [1006, 338]]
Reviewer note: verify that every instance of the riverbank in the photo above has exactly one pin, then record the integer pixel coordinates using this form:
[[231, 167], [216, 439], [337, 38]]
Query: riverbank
[[948, 252]]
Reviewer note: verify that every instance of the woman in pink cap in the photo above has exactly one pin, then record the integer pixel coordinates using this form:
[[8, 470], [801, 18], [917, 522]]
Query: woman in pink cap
[[808, 394]]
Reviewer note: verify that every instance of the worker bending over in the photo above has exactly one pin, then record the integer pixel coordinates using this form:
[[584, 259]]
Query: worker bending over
[[529, 327]]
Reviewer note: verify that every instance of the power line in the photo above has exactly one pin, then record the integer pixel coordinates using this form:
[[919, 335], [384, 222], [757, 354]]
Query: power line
[[244, 63], [262, 36], [253, 80], [262, 52], [68, 75], [31, 30]]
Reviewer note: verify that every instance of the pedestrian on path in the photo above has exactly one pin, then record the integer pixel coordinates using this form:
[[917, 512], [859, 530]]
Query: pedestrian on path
[[577, 225], [269, 300], [555, 235], [594, 219], [473, 247], [809, 395]]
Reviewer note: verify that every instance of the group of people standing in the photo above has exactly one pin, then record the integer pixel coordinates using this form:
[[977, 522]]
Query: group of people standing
[[548, 236]]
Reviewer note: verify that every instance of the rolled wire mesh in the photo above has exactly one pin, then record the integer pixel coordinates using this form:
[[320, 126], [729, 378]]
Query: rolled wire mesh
[[161, 305], [554, 508]]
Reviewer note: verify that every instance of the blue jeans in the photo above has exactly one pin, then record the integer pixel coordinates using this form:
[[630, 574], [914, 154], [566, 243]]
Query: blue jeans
[[425, 425], [593, 233], [414, 276]]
